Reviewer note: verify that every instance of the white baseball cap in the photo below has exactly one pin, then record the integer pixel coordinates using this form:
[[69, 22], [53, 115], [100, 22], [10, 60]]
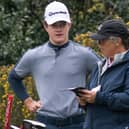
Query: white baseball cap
[[56, 11]]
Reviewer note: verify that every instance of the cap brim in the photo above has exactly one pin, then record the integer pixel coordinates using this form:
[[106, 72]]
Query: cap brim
[[97, 36], [57, 19]]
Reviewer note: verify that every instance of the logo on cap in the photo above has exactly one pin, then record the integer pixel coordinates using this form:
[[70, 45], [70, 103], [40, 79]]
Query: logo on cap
[[53, 13], [100, 26]]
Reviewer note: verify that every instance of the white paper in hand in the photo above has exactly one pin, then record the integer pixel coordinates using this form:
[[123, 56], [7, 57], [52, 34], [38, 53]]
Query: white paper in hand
[[96, 88]]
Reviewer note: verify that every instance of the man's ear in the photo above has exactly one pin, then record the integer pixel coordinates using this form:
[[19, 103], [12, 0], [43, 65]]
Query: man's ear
[[70, 24], [118, 41]]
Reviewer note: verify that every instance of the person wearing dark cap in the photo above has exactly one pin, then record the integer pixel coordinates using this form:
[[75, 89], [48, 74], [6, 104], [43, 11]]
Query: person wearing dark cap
[[107, 99], [56, 65]]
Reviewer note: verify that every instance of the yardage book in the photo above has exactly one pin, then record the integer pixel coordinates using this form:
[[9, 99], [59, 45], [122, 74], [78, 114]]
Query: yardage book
[[76, 90]]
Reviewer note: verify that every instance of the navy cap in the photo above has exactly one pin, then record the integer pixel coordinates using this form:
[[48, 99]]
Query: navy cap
[[111, 28]]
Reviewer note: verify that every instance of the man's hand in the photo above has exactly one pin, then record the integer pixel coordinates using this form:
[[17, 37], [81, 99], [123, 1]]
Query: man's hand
[[87, 96], [31, 104], [82, 101]]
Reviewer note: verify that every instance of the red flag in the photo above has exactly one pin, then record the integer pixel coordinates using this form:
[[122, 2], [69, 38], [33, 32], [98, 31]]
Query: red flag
[[8, 112]]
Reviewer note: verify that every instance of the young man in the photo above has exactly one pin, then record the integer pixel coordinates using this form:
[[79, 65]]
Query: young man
[[56, 65]]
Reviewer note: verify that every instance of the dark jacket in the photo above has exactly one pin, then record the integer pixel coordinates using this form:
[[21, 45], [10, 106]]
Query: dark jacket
[[111, 107]]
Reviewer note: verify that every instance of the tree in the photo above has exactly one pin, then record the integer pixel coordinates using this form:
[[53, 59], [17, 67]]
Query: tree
[[21, 22]]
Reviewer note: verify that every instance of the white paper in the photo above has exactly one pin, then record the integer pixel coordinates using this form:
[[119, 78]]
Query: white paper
[[96, 88]]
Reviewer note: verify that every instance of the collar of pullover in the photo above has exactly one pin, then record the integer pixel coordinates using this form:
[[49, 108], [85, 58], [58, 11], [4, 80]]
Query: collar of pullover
[[56, 47]]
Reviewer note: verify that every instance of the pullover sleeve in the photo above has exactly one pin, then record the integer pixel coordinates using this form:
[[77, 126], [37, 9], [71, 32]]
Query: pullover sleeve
[[17, 85], [92, 58]]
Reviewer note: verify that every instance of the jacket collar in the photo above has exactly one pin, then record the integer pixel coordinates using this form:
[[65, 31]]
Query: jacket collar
[[119, 58]]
